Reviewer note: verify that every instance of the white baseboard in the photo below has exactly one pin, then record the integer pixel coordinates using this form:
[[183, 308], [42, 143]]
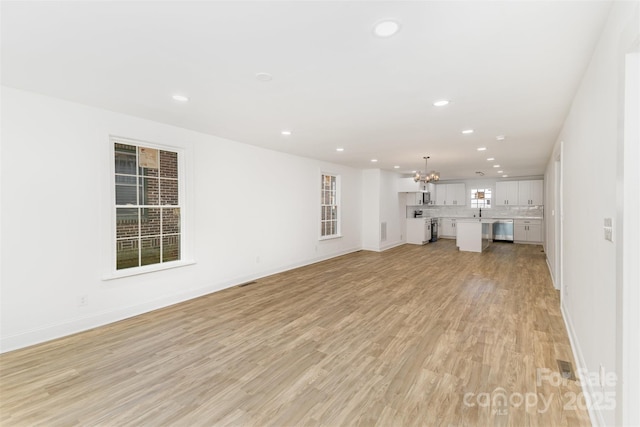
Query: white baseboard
[[383, 248], [94, 320], [391, 245], [553, 279], [595, 414]]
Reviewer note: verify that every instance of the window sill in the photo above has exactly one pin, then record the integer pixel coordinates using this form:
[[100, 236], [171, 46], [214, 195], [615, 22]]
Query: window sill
[[337, 236], [146, 269]]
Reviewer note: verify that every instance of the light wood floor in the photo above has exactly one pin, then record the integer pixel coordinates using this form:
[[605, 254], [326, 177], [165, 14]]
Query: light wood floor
[[399, 338]]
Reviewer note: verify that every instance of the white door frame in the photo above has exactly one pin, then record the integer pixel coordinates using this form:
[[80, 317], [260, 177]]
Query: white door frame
[[558, 219], [627, 238]]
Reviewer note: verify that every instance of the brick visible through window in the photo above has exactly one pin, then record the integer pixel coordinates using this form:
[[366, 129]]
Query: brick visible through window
[[147, 206], [480, 198]]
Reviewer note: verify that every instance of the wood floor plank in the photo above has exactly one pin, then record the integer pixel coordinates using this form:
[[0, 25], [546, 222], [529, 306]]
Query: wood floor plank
[[416, 335]]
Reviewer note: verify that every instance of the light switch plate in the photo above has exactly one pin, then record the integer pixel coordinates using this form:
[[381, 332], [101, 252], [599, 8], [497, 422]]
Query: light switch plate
[[608, 229]]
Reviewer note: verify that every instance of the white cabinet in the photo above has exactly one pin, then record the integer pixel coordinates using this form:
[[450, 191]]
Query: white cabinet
[[519, 193], [408, 185], [431, 188], [441, 194], [450, 195], [506, 193], [457, 194], [447, 228], [418, 230], [530, 193], [414, 199], [527, 231]]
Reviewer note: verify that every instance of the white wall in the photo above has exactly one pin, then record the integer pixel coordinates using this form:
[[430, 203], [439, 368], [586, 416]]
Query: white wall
[[381, 202], [591, 138], [56, 217], [552, 211], [371, 209], [392, 210]]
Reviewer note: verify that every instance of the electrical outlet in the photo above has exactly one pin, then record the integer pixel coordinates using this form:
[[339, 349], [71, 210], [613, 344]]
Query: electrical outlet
[[257, 260], [83, 300]]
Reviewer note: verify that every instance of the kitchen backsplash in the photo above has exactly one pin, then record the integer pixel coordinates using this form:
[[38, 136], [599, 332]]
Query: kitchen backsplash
[[467, 212]]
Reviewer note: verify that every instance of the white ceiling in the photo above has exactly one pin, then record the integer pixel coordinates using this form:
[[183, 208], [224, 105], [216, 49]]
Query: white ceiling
[[509, 68]]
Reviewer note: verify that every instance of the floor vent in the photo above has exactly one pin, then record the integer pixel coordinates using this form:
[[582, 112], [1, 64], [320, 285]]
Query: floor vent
[[242, 285], [566, 370]]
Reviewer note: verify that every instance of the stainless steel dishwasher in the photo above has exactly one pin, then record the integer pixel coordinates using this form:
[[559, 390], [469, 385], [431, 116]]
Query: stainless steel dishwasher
[[503, 230]]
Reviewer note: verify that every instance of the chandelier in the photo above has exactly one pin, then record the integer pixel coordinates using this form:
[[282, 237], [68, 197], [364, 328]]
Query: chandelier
[[426, 177]]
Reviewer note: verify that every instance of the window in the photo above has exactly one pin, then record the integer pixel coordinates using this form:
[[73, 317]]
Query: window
[[329, 208], [481, 198], [147, 206]]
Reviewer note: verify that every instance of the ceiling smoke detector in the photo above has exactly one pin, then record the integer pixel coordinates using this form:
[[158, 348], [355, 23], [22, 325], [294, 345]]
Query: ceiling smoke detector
[[264, 77], [386, 28]]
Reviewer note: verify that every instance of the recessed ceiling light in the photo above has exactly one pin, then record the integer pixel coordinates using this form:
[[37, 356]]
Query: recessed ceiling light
[[264, 77], [496, 166], [286, 132], [339, 149], [441, 103], [374, 160], [386, 28], [500, 137], [490, 159], [180, 98], [482, 148], [396, 167], [467, 131], [500, 171], [413, 171], [505, 176]]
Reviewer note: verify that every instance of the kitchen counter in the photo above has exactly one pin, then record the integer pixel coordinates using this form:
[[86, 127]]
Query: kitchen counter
[[470, 232], [481, 220], [418, 230], [473, 217]]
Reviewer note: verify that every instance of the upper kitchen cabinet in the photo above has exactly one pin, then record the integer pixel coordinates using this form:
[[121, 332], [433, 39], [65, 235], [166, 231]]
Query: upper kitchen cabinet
[[408, 185], [519, 193], [451, 195], [506, 193], [414, 199], [441, 195], [457, 194], [431, 188], [530, 193]]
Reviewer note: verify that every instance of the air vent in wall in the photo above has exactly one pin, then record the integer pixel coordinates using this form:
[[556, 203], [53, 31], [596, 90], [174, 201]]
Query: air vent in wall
[[383, 231]]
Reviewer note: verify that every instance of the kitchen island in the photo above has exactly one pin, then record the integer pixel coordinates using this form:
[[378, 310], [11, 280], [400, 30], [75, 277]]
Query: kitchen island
[[470, 234]]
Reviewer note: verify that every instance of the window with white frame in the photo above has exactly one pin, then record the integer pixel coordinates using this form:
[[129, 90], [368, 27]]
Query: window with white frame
[[329, 206], [480, 198], [147, 206]]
